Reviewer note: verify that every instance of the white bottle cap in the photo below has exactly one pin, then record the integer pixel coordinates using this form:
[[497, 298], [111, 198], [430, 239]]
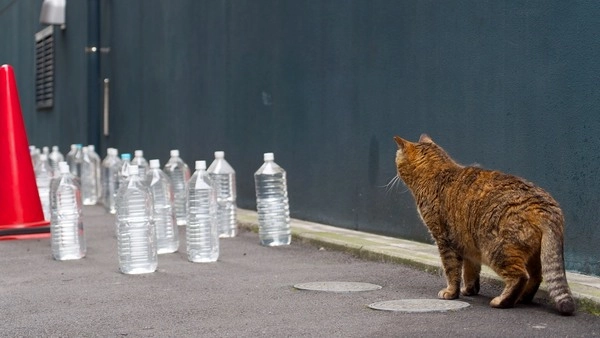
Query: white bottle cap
[[91, 147], [54, 148], [139, 153], [219, 154], [269, 156], [63, 167], [112, 151], [73, 147], [200, 165], [175, 153], [154, 164], [44, 150], [133, 170]]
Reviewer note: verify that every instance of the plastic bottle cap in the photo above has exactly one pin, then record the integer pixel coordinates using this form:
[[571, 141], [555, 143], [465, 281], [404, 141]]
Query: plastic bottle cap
[[54, 148], [269, 156], [200, 165], [112, 151], [126, 156], [154, 164], [63, 167], [139, 153], [73, 146], [44, 150], [133, 170], [219, 154], [91, 147], [175, 153], [78, 145]]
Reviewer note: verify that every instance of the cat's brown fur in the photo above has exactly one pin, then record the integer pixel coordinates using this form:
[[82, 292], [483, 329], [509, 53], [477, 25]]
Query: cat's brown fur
[[480, 216]]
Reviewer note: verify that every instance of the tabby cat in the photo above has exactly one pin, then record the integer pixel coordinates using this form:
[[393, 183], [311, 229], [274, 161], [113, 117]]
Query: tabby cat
[[481, 216]]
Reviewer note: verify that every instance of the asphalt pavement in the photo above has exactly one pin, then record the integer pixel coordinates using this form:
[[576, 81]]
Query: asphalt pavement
[[249, 291]]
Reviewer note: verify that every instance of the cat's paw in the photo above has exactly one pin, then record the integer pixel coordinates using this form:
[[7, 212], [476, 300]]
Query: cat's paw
[[471, 290], [500, 303], [447, 294]]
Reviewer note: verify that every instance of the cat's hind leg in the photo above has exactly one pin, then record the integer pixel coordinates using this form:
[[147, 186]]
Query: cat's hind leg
[[534, 269], [509, 264], [471, 271]]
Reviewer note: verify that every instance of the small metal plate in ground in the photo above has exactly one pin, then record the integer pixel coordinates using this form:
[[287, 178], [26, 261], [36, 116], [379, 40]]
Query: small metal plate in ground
[[419, 305], [337, 286]]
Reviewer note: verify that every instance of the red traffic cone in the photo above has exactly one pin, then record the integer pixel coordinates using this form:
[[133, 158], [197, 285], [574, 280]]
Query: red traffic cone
[[21, 214]]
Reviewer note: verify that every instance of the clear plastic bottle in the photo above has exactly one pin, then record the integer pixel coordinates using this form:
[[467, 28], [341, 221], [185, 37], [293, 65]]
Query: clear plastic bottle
[[179, 173], [136, 233], [202, 234], [75, 161], [98, 164], [110, 179], [66, 225], [272, 203], [223, 177], [167, 233], [124, 170], [54, 158], [71, 154], [34, 152], [43, 176], [88, 179], [139, 160]]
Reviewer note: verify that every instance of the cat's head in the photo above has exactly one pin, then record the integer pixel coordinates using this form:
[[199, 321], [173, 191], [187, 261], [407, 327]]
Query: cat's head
[[423, 157]]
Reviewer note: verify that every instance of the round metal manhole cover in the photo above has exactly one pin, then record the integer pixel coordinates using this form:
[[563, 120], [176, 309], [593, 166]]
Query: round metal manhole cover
[[337, 286], [419, 305]]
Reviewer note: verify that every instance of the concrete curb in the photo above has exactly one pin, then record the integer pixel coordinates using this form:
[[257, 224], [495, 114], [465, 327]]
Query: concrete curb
[[585, 289]]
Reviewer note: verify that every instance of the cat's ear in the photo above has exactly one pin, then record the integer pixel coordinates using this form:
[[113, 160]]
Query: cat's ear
[[425, 139], [400, 142]]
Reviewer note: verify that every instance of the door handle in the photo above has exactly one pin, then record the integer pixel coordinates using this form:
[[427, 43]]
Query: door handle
[[106, 111]]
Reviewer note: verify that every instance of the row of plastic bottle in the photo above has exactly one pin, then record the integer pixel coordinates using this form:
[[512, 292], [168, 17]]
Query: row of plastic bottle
[[144, 199]]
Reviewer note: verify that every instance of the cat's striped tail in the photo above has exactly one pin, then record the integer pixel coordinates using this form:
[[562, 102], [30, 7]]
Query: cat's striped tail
[[553, 271]]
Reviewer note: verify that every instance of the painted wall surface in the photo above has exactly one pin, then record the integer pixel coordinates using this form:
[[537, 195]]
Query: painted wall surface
[[65, 123], [327, 84]]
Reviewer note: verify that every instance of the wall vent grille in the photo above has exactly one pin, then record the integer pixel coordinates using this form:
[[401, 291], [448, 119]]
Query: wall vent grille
[[44, 68]]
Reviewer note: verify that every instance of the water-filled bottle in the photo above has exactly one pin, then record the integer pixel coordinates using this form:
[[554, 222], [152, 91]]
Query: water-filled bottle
[[223, 177], [272, 203], [88, 180], [136, 233], [98, 164], [139, 160], [71, 154], [167, 233], [34, 152], [202, 236], [110, 179], [43, 176], [124, 170], [66, 225], [179, 173], [54, 158], [75, 160]]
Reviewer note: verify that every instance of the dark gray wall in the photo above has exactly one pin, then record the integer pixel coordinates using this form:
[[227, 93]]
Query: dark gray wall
[[65, 123], [326, 84]]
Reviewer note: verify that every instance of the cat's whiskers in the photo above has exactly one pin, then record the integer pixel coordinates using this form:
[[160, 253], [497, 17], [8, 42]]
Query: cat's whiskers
[[393, 185]]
